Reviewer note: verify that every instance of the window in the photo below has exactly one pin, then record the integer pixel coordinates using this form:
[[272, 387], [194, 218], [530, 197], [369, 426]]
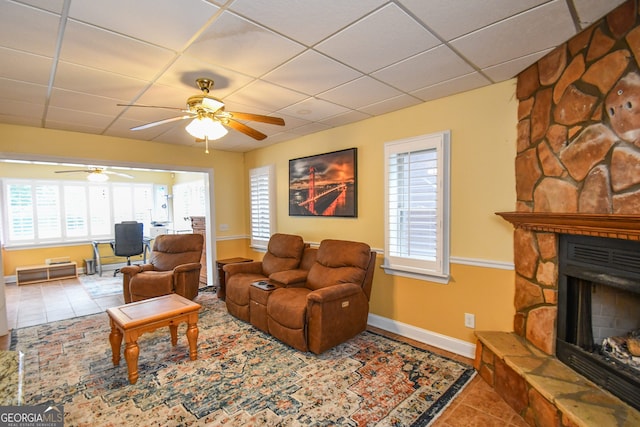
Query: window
[[188, 200], [417, 207], [261, 182], [42, 212]]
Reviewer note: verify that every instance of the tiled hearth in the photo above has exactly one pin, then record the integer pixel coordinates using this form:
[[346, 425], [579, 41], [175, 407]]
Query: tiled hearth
[[577, 172]]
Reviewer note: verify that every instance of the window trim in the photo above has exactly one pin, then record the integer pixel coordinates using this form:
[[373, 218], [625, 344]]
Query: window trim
[[437, 271], [269, 171]]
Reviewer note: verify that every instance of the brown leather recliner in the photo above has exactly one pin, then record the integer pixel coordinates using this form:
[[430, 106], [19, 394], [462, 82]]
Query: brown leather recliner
[[333, 304], [284, 253], [174, 268]]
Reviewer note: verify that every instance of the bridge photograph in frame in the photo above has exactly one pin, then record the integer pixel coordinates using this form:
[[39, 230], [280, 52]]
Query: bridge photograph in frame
[[324, 184]]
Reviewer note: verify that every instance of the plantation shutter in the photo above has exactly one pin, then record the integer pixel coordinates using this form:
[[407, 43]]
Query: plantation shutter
[[262, 214], [20, 212], [48, 211], [413, 197], [75, 210], [417, 206]]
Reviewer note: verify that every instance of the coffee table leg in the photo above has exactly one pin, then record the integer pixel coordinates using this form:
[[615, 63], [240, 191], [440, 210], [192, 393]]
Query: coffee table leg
[[174, 334], [131, 352], [115, 338], [192, 337]]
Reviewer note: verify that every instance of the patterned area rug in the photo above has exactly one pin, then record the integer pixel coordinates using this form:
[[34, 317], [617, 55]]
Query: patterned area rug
[[106, 285], [242, 377]]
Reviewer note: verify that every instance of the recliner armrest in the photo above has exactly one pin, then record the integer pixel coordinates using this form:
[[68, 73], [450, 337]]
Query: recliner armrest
[[131, 270], [243, 267], [187, 267], [289, 277], [336, 292]]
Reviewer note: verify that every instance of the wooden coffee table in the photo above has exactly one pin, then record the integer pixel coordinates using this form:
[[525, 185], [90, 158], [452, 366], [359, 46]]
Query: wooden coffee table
[[134, 319]]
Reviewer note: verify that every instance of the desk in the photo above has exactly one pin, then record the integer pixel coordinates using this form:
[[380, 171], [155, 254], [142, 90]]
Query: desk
[[96, 252]]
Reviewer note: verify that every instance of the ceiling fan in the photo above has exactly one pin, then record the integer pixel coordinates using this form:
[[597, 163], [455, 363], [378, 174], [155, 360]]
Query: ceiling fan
[[209, 117], [97, 174]]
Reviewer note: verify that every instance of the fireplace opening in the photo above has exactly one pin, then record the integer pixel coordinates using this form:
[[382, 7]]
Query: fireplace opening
[[598, 327]]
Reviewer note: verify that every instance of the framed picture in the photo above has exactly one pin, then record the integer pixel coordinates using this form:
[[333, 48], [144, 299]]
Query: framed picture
[[324, 184]]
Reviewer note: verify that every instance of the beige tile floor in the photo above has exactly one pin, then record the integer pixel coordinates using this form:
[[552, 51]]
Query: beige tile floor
[[37, 303], [477, 405]]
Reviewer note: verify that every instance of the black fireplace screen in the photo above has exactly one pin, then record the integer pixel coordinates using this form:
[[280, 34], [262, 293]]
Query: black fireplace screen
[[599, 312]]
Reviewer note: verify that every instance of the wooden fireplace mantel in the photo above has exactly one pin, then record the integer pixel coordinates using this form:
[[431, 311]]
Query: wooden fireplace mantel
[[603, 225]]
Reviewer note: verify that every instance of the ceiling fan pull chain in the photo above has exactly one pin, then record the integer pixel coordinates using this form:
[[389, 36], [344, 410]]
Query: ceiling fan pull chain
[[206, 144]]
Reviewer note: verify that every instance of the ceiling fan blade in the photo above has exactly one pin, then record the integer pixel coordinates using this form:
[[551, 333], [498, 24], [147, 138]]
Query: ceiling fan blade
[[150, 106], [75, 171], [257, 118], [161, 122], [246, 130]]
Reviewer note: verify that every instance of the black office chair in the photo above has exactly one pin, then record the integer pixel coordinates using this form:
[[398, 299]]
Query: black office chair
[[128, 241]]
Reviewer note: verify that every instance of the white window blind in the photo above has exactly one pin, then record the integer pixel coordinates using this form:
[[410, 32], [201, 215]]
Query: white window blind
[[75, 210], [20, 212], [100, 223], [188, 200], [261, 182], [42, 212], [417, 206]]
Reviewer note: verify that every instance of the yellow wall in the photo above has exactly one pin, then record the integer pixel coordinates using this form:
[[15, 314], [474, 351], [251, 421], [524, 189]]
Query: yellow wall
[[483, 141], [483, 135]]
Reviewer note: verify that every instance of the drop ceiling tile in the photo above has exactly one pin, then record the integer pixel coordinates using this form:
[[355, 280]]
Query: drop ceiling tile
[[25, 66], [378, 40], [351, 116], [240, 45], [166, 23], [310, 128], [360, 92], [22, 110], [28, 29], [425, 69], [20, 120], [314, 109], [78, 117], [527, 33], [54, 6], [265, 96], [112, 52], [391, 104], [22, 91], [445, 17], [307, 22], [312, 73], [96, 82], [451, 87], [78, 101], [510, 69], [589, 11], [73, 126]]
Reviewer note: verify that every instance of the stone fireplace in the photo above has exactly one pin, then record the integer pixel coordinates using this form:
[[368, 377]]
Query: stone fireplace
[[577, 173]]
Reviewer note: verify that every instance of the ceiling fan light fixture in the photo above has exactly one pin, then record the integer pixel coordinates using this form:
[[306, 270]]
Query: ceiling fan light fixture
[[206, 127], [97, 177]]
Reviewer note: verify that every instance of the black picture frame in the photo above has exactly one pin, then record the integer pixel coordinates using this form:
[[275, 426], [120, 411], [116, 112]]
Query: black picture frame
[[324, 184]]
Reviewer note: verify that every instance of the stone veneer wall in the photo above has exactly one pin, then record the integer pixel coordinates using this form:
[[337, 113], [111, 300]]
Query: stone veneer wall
[[578, 152]]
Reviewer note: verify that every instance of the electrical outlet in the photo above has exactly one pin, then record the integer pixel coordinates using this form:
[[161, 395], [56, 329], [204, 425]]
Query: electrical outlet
[[470, 320]]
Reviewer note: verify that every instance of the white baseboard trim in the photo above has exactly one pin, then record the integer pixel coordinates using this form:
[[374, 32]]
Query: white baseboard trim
[[444, 342]]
